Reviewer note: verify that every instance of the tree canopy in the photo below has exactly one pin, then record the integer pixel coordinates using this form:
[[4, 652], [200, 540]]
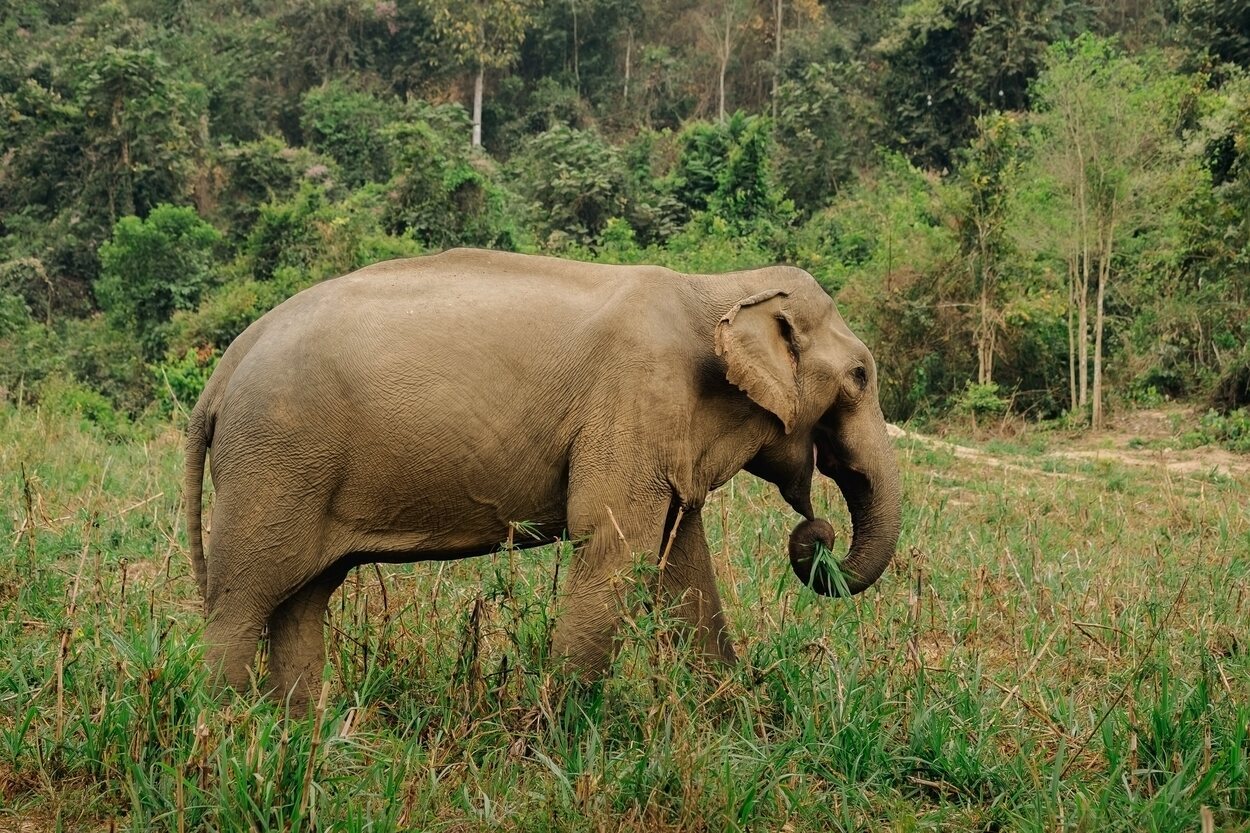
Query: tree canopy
[[1040, 204]]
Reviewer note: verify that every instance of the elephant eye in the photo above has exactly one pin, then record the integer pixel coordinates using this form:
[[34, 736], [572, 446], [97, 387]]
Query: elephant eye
[[860, 375]]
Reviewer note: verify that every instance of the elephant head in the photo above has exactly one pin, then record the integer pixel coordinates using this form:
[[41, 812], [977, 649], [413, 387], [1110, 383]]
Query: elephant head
[[793, 355]]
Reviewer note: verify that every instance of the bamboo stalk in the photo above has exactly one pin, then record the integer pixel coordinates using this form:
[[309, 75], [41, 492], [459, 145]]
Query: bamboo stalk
[[314, 745]]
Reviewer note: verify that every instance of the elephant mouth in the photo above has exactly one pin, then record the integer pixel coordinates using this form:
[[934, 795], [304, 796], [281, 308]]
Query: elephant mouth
[[811, 558]]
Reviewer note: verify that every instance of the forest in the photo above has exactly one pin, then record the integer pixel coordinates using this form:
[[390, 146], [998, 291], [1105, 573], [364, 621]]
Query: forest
[[1036, 207]]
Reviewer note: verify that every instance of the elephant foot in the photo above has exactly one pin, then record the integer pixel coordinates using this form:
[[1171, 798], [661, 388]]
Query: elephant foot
[[813, 568]]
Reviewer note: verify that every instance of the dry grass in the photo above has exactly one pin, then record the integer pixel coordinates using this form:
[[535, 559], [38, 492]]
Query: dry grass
[[1061, 644]]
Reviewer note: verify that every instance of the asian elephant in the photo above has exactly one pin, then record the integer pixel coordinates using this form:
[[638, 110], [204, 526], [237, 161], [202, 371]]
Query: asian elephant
[[415, 409]]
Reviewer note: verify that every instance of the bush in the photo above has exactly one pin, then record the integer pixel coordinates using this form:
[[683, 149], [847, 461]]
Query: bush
[[746, 197], [699, 251], [24, 282], [824, 122], [319, 239], [29, 350], [95, 354], [226, 312], [1231, 389], [440, 195], [701, 161], [576, 180], [887, 223], [289, 233], [180, 381], [348, 125], [151, 268], [1231, 430], [62, 396], [653, 212], [980, 400], [266, 170]]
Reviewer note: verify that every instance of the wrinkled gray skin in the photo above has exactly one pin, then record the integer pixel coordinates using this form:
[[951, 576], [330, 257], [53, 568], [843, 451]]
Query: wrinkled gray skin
[[412, 410]]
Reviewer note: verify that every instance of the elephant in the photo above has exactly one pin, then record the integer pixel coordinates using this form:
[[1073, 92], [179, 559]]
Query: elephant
[[418, 409]]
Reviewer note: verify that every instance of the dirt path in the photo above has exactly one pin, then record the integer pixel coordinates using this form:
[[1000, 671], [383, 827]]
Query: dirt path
[[1142, 439]]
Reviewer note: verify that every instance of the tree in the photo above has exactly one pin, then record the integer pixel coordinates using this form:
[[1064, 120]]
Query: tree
[[824, 129], [1107, 137], [947, 61], [443, 195], [1191, 327], [721, 28], [1220, 27], [484, 34], [139, 135], [152, 267], [990, 166], [347, 125], [577, 179]]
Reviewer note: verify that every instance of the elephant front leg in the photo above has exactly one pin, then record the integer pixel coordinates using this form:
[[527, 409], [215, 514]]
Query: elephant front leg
[[688, 590], [612, 530]]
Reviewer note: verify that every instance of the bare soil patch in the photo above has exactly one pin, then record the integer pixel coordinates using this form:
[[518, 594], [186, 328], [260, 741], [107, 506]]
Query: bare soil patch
[[1146, 438]]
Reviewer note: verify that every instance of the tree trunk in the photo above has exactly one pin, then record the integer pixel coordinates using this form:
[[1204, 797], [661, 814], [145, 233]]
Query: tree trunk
[[1072, 269], [777, 19], [1082, 288], [577, 78], [985, 339], [478, 83], [122, 189], [1082, 331], [1104, 277], [629, 48], [985, 327], [724, 67]]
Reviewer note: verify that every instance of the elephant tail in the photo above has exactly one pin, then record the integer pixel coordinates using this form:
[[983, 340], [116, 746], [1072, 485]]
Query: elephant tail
[[199, 438]]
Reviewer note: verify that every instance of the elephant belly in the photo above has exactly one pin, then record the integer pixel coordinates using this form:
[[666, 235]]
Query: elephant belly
[[429, 507]]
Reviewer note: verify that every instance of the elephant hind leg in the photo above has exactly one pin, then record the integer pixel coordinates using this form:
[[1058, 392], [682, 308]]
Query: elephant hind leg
[[297, 639], [231, 646]]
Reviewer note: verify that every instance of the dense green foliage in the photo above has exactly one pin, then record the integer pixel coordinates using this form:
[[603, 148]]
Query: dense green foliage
[[1049, 196]]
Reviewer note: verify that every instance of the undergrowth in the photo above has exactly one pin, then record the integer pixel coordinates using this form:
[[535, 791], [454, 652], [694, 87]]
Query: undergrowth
[[1045, 653]]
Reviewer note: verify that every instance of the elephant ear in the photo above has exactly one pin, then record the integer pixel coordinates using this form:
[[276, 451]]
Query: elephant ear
[[757, 340]]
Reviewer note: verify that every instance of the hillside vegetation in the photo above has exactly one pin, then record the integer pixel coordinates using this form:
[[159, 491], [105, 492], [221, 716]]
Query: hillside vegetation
[[1038, 206]]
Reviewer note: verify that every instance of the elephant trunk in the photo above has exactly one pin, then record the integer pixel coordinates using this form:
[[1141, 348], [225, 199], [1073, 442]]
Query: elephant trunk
[[867, 475]]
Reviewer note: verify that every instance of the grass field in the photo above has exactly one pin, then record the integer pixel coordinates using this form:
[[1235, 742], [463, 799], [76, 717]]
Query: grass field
[[1062, 643]]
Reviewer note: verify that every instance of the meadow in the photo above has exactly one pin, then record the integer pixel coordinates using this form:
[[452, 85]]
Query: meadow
[[1060, 644]]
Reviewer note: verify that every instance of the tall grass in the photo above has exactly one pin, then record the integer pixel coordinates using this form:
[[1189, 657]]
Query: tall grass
[[1053, 649]]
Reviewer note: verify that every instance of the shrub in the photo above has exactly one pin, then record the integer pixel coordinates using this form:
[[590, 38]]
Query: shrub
[[288, 233], [29, 350], [746, 196], [980, 400], [824, 121], [265, 171], [442, 197], [348, 125], [225, 312], [1231, 389], [1231, 430], [152, 267], [576, 180], [180, 381], [704, 149], [95, 354], [65, 397]]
